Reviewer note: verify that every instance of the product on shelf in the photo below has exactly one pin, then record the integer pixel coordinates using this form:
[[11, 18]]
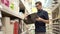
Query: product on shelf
[[20, 27], [0, 24], [56, 26], [10, 26], [0, 15], [10, 5], [16, 27], [1, 32], [5, 2], [0, 19], [6, 25]]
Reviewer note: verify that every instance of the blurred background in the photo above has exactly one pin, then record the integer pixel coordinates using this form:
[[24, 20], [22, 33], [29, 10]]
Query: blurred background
[[12, 13]]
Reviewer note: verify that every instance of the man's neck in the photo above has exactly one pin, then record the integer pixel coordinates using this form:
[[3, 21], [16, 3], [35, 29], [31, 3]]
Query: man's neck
[[40, 10]]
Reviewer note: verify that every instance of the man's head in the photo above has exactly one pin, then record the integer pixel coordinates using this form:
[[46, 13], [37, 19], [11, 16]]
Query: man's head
[[38, 5]]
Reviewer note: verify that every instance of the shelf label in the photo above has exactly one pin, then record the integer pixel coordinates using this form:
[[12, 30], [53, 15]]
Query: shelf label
[[5, 2]]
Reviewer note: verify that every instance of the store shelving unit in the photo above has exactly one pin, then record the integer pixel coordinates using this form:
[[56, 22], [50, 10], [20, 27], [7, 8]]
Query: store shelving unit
[[56, 20], [7, 12], [10, 12], [56, 26]]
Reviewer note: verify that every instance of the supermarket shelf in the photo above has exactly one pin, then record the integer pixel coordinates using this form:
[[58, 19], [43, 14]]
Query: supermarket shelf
[[55, 7], [11, 13], [55, 24], [55, 18], [56, 29], [56, 32]]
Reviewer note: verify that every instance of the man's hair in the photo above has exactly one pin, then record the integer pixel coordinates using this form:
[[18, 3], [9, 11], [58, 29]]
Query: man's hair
[[38, 3]]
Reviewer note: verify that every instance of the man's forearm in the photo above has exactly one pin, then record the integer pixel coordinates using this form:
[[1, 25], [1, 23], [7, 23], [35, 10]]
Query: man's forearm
[[45, 21]]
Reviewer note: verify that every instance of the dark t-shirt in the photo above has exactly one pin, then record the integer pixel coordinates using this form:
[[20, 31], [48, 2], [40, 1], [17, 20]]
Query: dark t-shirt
[[39, 25]]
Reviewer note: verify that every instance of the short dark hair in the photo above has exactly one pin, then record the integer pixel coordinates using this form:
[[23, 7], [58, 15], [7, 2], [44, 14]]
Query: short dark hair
[[38, 3]]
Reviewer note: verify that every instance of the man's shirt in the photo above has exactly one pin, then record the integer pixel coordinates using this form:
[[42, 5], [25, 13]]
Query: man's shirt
[[39, 25]]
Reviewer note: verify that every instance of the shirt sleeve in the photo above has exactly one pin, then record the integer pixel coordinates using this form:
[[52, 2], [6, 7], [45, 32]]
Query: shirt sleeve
[[46, 15]]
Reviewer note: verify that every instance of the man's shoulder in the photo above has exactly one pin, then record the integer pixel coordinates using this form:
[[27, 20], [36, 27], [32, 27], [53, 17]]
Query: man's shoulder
[[44, 11]]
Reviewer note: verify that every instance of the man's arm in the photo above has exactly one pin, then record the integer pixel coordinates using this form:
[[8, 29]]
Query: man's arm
[[43, 20], [46, 20]]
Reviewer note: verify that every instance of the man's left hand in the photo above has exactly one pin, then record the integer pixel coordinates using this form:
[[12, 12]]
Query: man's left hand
[[39, 19]]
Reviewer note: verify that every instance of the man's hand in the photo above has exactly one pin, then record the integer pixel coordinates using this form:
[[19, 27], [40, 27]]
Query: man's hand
[[39, 19], [43, 20]]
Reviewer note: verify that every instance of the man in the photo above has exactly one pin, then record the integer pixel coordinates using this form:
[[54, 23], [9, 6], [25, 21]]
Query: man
[[40, 27]]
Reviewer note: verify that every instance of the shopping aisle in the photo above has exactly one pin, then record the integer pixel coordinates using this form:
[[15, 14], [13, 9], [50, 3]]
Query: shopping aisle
[[13, 13]]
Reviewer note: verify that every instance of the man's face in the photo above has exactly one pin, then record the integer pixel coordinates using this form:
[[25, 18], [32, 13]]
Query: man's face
[[38, 6]]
